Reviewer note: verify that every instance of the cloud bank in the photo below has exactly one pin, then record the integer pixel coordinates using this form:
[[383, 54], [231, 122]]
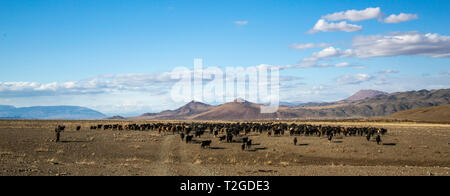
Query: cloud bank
[[402, 43], [400, 18], [355, 15], [308, 46], [325, 26]]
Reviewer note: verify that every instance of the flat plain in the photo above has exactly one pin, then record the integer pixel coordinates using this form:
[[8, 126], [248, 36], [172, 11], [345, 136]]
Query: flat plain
[[27, 148]]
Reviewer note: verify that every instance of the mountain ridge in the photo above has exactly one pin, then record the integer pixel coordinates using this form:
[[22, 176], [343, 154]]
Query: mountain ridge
[[428, 114], [364, 105], [49, 112], [359, 105], [191, 108], [363, 94]]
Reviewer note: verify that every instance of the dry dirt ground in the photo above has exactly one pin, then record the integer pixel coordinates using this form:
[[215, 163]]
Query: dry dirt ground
[[27, 148]]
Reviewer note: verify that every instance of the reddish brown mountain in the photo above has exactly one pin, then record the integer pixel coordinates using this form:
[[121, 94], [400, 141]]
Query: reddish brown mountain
[[368, 104], [239, 109], [363, 94], [184, 112]]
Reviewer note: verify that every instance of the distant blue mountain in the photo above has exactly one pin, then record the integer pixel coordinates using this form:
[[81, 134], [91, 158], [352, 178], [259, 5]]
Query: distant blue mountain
[[6, 107], [49, 112]]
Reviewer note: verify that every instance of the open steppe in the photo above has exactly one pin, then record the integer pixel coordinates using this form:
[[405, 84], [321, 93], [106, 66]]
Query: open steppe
[[27, 147]]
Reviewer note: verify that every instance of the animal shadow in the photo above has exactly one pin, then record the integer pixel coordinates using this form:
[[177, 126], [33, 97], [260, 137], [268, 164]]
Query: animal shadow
[[257, 149], [389, 144], [266, 171], [75, 141], [217, 148]]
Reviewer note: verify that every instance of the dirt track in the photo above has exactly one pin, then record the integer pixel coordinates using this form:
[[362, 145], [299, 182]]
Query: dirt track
[[174, 161], [26, 148]]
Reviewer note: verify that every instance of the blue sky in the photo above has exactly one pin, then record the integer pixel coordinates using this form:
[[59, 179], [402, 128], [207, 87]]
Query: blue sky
[[47, 47]]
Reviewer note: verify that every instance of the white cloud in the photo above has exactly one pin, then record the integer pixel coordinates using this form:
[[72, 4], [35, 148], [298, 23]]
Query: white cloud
[[346, 64], [391, 71], [331, 52], [354, 79], [324, 26], [151, 84], [34, 88], [309, 45], [383, 77], [393, 44], [343, 64], [324, 54], [324, 65], [402, 17], [355, 15], [266, 66], [103, 84], [327, 52], [402, 43], [242, 23]]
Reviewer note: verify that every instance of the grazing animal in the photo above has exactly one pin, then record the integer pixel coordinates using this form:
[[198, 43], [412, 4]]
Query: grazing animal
[[221, 138], [61, 128], [58, 131], [198, 134], [57, 134], [330, 138], [295, 141], [78, 128], [368, 137], [249, 144], [189, 138], [216, 133], [378, 138], [182, 136], [230, 138], [243, 147], [206, 143]]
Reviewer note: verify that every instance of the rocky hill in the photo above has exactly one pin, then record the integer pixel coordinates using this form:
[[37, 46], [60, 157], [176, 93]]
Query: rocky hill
[[236, 110], [381, 104], [384, 105], [184, 112], [427, 114], [363, 94]]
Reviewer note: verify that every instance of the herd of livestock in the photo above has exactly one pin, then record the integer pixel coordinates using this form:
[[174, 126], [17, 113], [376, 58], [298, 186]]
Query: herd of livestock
[[238, 132]]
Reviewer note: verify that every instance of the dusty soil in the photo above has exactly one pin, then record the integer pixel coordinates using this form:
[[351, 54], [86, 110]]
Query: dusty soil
[[27, 148]]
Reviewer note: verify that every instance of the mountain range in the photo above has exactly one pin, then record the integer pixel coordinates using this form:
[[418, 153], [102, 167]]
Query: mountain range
[[363, 94], [363, 104], [49, 112]]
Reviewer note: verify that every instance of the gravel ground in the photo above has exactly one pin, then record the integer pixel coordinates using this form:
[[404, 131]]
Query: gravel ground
[[27, 148]]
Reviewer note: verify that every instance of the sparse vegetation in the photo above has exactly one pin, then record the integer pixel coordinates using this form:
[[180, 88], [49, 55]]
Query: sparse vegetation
[[421, 146]]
